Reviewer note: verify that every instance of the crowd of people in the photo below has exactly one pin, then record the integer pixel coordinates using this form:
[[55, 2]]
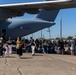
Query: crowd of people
[[40, 46], [48, 46]]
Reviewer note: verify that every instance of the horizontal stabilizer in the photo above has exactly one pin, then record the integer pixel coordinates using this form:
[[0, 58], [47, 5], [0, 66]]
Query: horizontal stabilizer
[[48, 15]]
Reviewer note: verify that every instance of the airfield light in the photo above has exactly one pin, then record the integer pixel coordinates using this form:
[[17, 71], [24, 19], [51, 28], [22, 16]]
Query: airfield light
[[61, 26], [49, 32]]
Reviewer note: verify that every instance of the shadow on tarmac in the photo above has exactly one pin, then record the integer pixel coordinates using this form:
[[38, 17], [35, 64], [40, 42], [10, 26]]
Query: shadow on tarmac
[[25, 57], [10, 57], [38, 55]]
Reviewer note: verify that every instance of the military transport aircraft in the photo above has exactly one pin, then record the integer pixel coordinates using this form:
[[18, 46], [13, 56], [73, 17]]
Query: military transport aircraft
[[46, 14]]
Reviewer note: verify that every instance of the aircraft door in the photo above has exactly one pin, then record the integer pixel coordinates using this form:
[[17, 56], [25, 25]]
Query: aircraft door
[[3, 33]]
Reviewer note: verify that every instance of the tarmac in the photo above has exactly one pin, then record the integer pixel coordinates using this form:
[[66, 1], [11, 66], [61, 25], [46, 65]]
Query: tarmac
[[40, 64]]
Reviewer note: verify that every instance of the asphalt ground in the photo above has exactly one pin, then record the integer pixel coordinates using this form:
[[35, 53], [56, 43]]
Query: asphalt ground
[[40, 64]]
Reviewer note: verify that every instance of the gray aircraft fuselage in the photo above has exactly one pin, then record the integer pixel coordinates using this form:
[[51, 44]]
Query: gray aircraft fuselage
[[20, 28]]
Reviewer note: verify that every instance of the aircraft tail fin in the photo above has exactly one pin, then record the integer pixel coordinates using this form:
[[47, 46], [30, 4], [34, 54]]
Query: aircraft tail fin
[[48, 15]]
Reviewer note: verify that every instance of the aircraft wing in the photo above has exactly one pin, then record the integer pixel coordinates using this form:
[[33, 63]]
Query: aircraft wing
[[18, 9], [54, 4]]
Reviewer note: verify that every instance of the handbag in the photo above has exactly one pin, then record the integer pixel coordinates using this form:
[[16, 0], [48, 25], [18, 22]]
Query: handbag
[[17, 47]]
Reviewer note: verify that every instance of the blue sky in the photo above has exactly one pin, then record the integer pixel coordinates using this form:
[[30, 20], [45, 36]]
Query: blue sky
[[68, 21]]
